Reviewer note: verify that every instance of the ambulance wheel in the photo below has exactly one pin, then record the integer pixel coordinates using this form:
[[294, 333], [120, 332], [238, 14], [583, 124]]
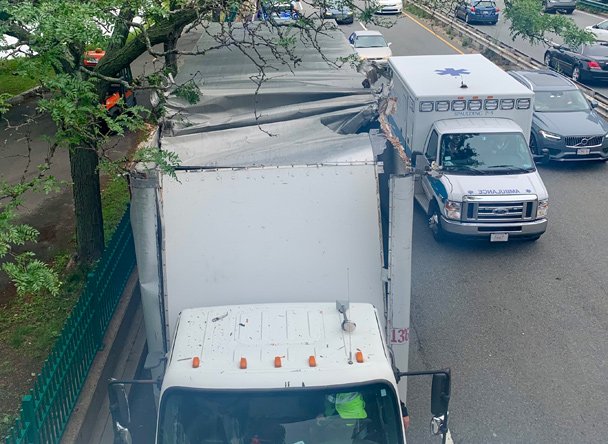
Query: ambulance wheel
[[435, 223]]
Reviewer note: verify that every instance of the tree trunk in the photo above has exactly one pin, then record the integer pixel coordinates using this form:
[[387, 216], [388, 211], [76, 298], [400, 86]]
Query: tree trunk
[[87, 204], [170, 55]]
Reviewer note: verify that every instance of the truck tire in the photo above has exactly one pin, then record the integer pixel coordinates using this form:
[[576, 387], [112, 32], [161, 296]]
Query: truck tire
[[434, 218]]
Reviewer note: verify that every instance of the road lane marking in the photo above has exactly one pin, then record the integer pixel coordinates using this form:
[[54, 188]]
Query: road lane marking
[[448, 438], [433, 32], [363, 26]]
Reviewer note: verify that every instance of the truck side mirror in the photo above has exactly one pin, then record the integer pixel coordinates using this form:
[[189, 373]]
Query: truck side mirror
[[440, 394], [121, 415]]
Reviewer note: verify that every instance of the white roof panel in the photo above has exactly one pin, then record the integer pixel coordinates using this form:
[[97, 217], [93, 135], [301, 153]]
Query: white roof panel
[[443, 75], [221, 336]]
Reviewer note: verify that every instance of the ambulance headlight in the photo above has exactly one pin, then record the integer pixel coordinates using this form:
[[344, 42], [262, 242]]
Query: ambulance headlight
[[542, 209], [452, 209]]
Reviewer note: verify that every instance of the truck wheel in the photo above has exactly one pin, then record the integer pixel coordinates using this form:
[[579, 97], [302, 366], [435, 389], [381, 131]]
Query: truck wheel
[[435, 223]]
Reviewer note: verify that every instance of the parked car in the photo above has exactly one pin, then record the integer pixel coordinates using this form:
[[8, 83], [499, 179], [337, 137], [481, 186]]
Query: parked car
[[565, 6], [587, 63], [600, 30], [280, 12], [371, 46], [389, 6], [477, 11], [337, 10], [564, 121]]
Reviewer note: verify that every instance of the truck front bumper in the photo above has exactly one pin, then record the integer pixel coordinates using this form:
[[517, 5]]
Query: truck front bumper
[[524, 229]]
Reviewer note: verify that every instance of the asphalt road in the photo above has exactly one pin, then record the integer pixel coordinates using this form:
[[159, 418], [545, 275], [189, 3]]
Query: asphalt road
[[522, 325]]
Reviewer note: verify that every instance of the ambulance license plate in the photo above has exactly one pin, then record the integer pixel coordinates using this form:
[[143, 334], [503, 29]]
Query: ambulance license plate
[[582, 151], [499, 237]]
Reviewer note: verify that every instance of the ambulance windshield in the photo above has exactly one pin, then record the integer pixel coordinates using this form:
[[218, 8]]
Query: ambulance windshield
[[367, 414], [485, 153]]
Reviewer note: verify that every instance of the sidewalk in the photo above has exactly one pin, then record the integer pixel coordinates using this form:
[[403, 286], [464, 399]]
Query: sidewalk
[[124, 344]]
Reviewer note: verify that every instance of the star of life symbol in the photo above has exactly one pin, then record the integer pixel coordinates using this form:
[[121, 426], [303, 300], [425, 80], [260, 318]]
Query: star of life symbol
[[452, 72]]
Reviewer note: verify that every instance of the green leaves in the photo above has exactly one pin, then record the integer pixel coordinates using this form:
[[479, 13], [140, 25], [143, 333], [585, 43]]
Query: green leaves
[[529, 22], [30, 275], [166, 161]]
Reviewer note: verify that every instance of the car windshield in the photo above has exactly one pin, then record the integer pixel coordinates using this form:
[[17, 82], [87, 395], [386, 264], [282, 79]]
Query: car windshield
[[366, 414], [485, 153], [595, 50], [484, 4], [370, 41], [560, 101], [337, 5]]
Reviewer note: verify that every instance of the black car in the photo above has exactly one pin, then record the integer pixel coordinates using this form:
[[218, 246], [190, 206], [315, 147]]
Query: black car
[[338, 11], [586, 63], [564, 121]]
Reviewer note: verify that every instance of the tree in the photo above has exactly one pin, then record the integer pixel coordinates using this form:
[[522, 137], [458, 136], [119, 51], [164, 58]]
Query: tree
[[53, 36], [528, 21]]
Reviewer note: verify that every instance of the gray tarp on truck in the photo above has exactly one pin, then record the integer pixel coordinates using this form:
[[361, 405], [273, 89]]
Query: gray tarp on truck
[[308, 112]]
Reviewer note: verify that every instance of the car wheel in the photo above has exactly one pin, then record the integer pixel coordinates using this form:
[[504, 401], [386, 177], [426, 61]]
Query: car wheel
[[493, 23], [435, 223], [576, 74], [548, 59], [570, 11], [466, 19]]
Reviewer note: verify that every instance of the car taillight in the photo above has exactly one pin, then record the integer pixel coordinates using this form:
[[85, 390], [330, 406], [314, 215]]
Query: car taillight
[[472, 8], [593, 65], [497, 10]]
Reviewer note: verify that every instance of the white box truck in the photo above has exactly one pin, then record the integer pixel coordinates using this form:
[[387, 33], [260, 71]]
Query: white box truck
[[275, 266], [471, 122]]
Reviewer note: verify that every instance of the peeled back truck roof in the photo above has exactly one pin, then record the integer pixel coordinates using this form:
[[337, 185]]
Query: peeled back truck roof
[[444, 75], [270, 346]]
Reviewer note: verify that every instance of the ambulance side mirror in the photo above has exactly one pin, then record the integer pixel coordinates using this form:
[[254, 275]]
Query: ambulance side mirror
[[421, 163]]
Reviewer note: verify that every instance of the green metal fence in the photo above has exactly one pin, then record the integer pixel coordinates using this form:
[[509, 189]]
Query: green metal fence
[[46, 409]]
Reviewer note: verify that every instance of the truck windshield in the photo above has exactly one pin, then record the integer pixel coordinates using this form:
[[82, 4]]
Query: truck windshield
[[485, 153], [340, 415]]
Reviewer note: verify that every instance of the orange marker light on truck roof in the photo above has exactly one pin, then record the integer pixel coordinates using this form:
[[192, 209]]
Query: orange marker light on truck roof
[[243, 363], [277, 362], [196, 361], [312, 362], [359, 356]]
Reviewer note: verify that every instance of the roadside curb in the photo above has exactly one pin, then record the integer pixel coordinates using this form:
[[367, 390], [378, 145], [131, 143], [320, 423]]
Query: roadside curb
[[25, 95], [119, 357]]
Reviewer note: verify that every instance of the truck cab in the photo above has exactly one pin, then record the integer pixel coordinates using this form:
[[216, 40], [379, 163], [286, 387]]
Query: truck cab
[[280, 373]]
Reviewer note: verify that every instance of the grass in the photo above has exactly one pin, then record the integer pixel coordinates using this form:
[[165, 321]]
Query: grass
[[30, 325], [114, 200], [416, 10], [12, 81]]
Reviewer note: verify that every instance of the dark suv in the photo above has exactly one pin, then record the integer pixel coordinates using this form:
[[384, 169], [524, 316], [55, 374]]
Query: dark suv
[[564, 121]]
